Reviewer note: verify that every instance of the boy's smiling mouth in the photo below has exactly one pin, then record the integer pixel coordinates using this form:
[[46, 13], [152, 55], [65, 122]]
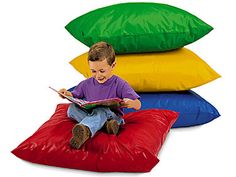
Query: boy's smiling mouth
[[101, 79]]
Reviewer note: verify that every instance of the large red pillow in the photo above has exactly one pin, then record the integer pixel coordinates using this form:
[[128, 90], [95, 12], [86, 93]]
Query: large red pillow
[[134, 149]]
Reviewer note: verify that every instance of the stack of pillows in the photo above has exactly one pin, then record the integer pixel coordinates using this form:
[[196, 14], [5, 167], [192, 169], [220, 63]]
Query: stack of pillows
[[148, 39]]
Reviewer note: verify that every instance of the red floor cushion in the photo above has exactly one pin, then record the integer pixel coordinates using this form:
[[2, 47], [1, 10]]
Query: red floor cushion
[[134, 149]]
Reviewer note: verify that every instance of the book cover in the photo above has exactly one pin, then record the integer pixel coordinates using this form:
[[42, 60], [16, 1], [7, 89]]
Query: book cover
[[111, 102]]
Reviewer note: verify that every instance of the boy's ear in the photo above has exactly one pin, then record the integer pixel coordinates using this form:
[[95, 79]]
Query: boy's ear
[[113, 65]]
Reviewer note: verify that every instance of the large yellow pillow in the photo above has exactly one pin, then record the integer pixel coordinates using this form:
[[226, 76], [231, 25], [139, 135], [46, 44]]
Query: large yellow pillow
[[167, 71]]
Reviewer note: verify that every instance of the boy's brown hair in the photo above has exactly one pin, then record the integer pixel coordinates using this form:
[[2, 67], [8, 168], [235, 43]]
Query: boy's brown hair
[[101, 51]]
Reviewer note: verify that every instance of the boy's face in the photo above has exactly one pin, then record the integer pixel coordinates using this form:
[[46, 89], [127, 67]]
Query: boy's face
[[101, 70]]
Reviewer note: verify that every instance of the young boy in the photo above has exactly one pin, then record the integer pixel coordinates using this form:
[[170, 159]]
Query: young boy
[[102, 85]]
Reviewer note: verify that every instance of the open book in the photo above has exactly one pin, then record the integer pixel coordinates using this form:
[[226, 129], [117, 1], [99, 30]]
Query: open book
[[111, 102]]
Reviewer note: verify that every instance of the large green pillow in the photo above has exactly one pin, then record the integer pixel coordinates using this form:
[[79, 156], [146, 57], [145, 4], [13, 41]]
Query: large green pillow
[[138, 27]]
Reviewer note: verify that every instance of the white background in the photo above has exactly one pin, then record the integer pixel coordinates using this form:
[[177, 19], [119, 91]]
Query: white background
[[35, 51]]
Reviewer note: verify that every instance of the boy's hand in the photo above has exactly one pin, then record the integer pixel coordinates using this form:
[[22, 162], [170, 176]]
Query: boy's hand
[[65, 92], [128, 103]]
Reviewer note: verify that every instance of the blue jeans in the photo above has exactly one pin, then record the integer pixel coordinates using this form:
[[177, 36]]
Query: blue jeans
[[95, 119]]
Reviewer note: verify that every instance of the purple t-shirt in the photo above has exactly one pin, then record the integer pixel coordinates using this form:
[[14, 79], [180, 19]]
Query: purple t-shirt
[[91, 90]]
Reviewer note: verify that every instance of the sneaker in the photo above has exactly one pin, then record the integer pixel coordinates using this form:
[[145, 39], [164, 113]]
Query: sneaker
[[112, 126], [81, 134]]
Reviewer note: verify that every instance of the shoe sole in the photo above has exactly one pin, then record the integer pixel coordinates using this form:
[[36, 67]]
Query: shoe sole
[[74, 144], [112, 127], [80, 136]]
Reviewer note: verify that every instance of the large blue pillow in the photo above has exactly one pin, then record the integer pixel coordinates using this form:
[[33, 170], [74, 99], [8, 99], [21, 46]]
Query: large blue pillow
[[192, 108]]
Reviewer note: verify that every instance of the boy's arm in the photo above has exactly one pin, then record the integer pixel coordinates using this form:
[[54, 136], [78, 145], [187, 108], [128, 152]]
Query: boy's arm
[[128, 103]]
